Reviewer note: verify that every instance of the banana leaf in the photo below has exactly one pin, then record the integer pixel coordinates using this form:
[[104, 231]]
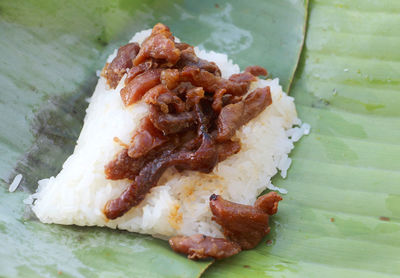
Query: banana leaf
[[49, 54], [341, 217]]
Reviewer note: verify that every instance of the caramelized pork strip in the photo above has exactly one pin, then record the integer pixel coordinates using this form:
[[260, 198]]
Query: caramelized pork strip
[[189, 58], [171, 123], [249, 74], [136, 70], [218, 100], [227, 148], [170, 78], [164, 99], [268, 203], [204, 247], [123, 166], [160, 45], [212, 83], [139, 85], [193, 96], [182, 46], [146, 138], [256, 70], [203, 160], [193, 113], [245, 77], [170, 100], [114, 71], [151, 96], [245, 225], [233, 116]]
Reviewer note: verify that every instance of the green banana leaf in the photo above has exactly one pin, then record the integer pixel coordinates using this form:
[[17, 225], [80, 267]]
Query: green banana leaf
[[49, 54], [341, 217]]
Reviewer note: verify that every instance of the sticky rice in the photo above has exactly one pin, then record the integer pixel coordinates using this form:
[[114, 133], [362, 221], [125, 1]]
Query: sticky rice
[[179, 205]]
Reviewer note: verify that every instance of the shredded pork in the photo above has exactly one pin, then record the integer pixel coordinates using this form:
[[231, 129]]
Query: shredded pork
[[193, 116]]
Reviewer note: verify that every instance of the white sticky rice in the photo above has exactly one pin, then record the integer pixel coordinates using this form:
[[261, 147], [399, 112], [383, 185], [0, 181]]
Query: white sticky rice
[[180, 203]]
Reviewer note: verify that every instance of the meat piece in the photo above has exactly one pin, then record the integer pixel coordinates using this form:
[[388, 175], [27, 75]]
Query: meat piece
[[182, 88], [256, 70], [233, 116], [170, 78], [229, 99], [256, 102], [171, 123], [212, 83], [182, 46], [191, 145], [203, 159], [136, 70], [168, 99], [227, 148], [124, 166], [163, 98], [218, 100], [268, 203], [146, 138], [114, 71], [243, 77], [189, 58], [138, 86], [204, 247], [245, 225], [151, 96], [193, 97], [128, 199], [160, 45], [193, 114]]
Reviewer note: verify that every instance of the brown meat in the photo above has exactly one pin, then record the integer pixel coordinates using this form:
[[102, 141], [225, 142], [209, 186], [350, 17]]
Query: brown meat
[[124, 166], [183, 88], [256, 70], [233, 116], [139, 85], [160, 45], [245, 225], [212, 83], [136, 70], [171, 123], [268, 203], [218, 100], [193, 97], [151, 96], [163, 98], [204, 247], [170, 78], [189, 58], [114, 71], [203, 160], [146, 138], [256, 102], [227, 148], [193, 113], [182, 46], [169, 99], [242, 77]]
